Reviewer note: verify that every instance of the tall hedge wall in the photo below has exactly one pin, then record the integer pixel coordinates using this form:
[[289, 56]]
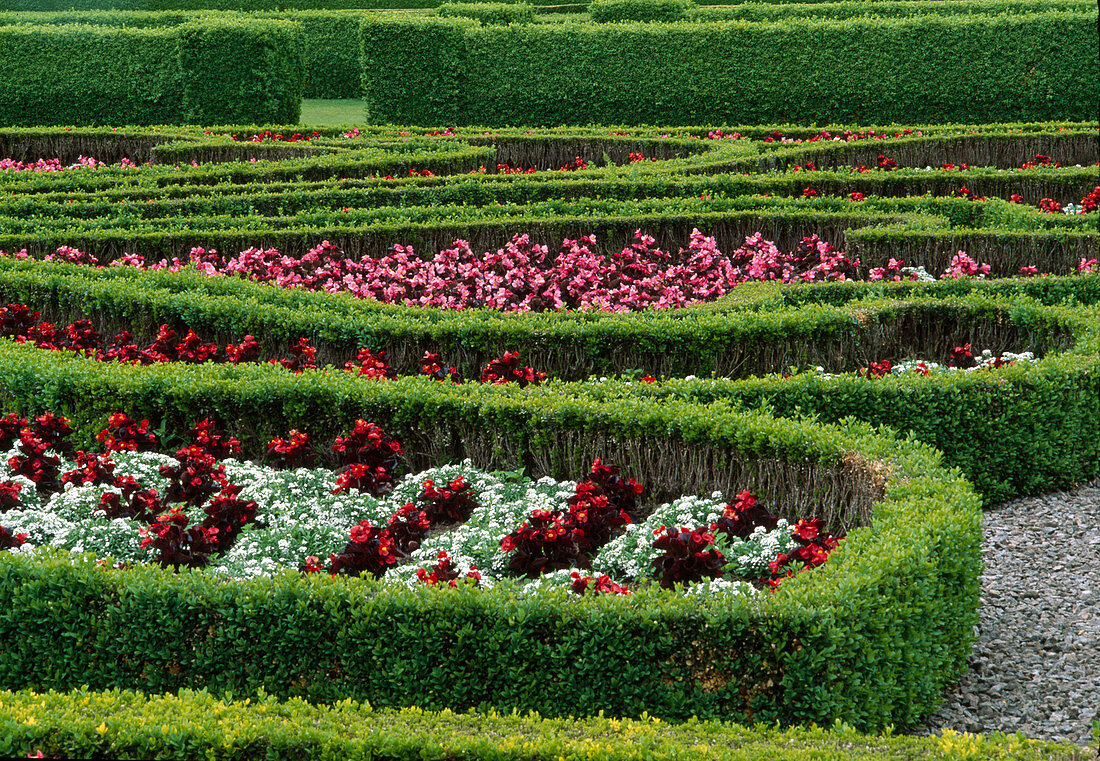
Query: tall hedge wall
[[209, 71], [89, 75], [208, 5], [931, 69], [247, 70]]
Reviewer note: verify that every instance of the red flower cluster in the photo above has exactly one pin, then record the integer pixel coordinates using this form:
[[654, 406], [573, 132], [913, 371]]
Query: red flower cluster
[[9, 541], [197, 476], [815, 547], [432, 366], [371, 549], [686, 558], [211, 440], [90, 469], [552, 540], [176, 544], [454, 503], [226, 514], [545, 542], [602, 504], [294, 451], [743, 516], [370, 457], [35, 462], [445, 571], [371, 365], [375, 549], [962, 357], [602, 585], [506, 369], [876, 370], [1039, 160], [9, 496], [408, 527], [303, 357], [134, 503], [54, 431], [1091, 202], [268, 135], [248, 350], [125, 435], [967, 193]]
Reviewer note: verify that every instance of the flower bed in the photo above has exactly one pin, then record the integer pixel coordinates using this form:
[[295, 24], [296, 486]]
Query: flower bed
[[523, 277], [904, 590], [204, 508], [290, 196]]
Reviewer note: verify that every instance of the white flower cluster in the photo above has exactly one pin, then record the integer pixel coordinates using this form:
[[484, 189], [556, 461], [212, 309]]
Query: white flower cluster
[[298, 516], [984, 361]]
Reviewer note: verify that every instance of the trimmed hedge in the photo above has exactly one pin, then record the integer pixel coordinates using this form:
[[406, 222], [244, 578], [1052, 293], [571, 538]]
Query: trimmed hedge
[[872, 637], [133, 725], [728, 342], [606, 11], [1013, 431], [490, 13], [89, 75], [207, 71], [328, 188], [886, 70], [241, 70], [210, 5], [832, 9]]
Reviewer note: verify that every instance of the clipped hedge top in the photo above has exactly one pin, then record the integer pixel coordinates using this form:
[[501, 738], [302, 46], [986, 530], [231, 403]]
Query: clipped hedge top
[[368, 190], [138, 725]]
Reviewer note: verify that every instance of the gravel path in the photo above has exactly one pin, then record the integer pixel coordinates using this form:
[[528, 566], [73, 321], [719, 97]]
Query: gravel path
[[1036, 665]]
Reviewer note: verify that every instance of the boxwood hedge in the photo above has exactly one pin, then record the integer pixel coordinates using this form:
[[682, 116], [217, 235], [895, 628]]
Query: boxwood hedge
[[1013, 431], [124, 724], [872, 637], [206, 71]]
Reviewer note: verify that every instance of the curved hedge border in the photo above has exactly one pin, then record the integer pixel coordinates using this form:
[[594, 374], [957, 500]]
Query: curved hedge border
[[131, 725], [329, 188], [728, 342], [838, 633], [1013, 431]]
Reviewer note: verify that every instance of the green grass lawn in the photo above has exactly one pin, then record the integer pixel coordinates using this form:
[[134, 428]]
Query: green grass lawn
[[333, 113]]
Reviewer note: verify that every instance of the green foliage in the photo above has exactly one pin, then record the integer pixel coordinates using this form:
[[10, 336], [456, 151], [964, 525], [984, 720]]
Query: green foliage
[[490, 13], [210, 5], [911, 577], [246, 70], [206, 71], [604, 11], [419, 63], [843, 9], [922, 68], [126, 724], [88, 75], [335, 188]]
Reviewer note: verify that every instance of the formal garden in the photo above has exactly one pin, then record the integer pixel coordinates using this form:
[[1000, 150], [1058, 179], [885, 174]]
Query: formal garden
[[378, 381]]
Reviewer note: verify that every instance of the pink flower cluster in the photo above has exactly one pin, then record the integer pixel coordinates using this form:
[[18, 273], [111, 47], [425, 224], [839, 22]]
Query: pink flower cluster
[[524, 276], [963, 266], [55, 165]]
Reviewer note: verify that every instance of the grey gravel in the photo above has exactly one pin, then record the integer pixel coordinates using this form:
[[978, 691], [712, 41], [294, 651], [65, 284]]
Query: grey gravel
[[1035, 667]]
